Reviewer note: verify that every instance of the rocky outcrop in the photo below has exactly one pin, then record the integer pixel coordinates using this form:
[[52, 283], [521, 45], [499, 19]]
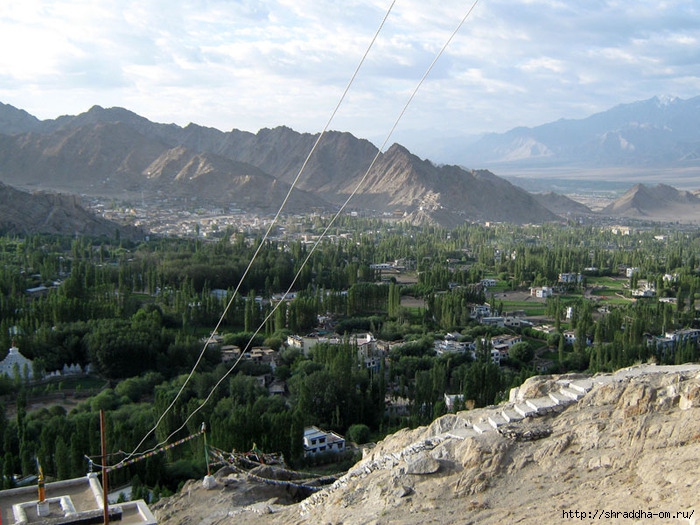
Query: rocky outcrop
[[612, 442]]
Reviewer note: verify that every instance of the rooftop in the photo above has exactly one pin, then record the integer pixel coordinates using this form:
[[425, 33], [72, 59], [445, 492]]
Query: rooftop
[[69, 501]]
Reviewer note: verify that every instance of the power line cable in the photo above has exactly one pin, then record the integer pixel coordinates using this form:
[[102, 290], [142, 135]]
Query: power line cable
[[354, 192], [330, 224], [259, 248]]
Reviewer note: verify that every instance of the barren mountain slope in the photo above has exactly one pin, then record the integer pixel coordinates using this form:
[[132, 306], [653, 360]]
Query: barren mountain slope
[[116, 154], [562, 205], [444, 194], [281, 152], [22, 213], [661, 203], [114, 160], [630, 443]]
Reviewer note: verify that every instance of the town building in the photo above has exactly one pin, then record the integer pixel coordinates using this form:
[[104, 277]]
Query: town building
[[453, 400], [501, 344], [365, 342], [481, 310], [450, 346], [570, 278], [672, 340], [541, 292], [569, 337], [645, 289], [318, 441]]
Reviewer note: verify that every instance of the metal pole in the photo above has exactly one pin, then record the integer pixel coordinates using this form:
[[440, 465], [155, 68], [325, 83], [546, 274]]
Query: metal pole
[[206, 449], [42, 488], [105, 502]]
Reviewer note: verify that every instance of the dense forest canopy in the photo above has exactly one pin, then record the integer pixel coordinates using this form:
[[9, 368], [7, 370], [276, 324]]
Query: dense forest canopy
[[137, 315]]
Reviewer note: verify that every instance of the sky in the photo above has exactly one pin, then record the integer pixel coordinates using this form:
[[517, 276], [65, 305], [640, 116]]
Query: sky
[[248, 64]]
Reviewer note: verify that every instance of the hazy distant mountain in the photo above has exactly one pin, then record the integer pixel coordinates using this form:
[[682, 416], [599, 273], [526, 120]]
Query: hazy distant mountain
[[561, 205], [655, 132], [115, 153], [660, 203], [22, 213]]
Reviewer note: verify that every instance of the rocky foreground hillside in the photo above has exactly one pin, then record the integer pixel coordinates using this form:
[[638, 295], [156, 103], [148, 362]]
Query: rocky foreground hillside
[[611, 443]]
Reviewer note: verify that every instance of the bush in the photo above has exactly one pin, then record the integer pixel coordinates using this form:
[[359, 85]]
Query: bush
[[105, 400], [358, 434], [521, 352], [182, 470]]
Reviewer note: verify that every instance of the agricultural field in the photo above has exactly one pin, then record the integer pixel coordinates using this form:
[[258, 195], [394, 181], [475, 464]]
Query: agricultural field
[[607, 290], [521, 301]]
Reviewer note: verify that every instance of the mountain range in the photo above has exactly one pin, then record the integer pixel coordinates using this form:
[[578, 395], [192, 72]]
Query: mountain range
[[661, 132], [116, 154]]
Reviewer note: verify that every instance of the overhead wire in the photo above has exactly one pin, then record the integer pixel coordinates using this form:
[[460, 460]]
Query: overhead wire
[[316, 243], [259, 248], [335, 217]]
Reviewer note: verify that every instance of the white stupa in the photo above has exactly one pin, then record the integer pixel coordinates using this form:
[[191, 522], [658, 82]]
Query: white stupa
[[7, 365]]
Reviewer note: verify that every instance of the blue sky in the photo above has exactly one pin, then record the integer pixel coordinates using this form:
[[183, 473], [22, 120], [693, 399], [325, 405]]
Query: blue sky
[[249, 64]]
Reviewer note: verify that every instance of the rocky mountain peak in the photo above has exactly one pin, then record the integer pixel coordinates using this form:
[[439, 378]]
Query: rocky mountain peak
[[661, 201], [14, 121]]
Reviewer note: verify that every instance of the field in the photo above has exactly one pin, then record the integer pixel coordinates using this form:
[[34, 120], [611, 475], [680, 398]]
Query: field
[[601, 290], [521, 301], [607, 290], [67, 392]]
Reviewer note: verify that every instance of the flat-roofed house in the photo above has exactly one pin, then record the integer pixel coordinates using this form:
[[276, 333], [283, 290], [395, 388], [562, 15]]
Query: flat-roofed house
[[318, 441]]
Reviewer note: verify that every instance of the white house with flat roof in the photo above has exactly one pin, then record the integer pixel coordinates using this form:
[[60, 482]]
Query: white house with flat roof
[[318, 441]]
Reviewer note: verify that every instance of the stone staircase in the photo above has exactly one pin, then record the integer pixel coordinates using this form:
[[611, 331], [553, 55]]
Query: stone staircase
[[491, 419]]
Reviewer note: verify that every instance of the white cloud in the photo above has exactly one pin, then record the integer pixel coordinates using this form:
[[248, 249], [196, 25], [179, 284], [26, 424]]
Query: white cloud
[[543, 64], [250, 64]]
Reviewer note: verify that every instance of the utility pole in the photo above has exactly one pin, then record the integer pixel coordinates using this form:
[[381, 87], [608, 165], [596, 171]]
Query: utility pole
[[103, 438]]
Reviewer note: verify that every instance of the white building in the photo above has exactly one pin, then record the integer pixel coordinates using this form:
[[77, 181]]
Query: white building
[[569, 337], [481, 310], [570, 278], [645, 289], [16, 362], [453, 347], [365, 342], [496, 356], [317, 441], [452, 400], [541, 292], [672, 340]]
